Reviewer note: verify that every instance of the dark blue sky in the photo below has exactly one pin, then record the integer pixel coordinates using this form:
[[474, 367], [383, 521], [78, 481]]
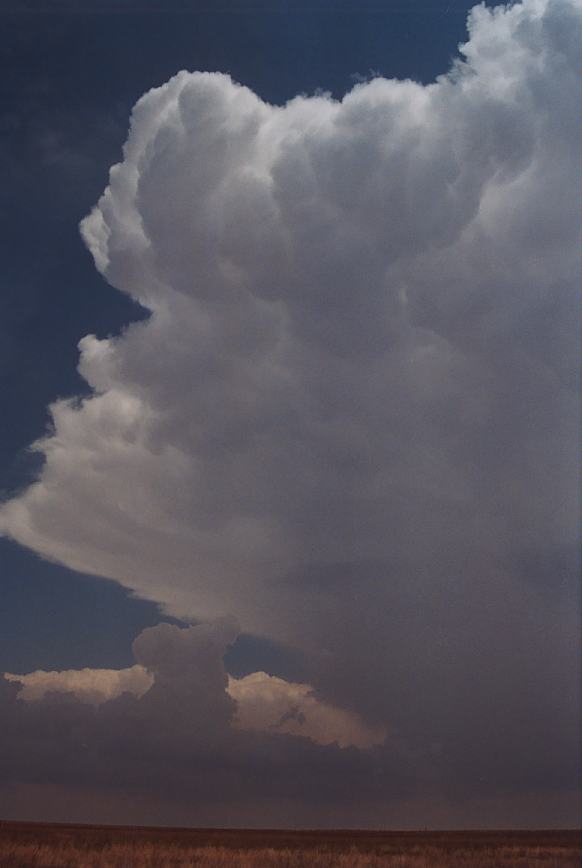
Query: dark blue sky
[[69, 81]]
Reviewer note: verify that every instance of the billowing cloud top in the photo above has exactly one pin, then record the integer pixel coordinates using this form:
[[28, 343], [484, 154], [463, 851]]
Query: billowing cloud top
[[351, 417], [361, 333]]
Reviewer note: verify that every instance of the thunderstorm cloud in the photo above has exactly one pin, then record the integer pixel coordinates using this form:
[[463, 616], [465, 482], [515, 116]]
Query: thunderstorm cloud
[[351, 417]]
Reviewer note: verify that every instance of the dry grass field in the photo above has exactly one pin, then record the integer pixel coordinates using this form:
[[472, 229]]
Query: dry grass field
[[53, 846]]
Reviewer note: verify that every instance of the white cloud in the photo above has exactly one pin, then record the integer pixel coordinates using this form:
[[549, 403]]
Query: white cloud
[[347, 300], [94, 686], [269, 704]]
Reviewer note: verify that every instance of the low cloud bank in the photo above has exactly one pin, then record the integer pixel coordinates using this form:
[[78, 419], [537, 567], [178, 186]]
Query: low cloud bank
[[195, 748], [94, 686], [264, 703], [269, 704], [173, 729]]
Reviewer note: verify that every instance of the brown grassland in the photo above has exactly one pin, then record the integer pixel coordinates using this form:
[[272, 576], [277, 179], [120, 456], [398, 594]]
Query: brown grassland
[[49, 846]]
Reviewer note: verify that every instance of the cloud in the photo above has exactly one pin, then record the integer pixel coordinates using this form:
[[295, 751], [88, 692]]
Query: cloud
[[180, 738], [352, 416], [94, 686], [269, 704], [264, 702], [182, 752], [348, 350]]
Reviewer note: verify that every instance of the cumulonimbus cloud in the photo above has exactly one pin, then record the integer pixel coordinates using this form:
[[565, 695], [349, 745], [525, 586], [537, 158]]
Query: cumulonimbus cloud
[[350, 352], [351, 417]]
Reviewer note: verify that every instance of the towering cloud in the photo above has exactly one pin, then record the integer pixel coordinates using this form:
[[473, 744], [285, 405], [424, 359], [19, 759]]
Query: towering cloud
[[351, 418]]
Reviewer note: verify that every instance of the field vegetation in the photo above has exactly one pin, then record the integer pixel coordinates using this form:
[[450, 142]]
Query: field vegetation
[[53, 846]]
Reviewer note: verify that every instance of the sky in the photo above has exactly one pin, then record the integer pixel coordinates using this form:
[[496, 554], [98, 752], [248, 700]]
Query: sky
[[290, 379]]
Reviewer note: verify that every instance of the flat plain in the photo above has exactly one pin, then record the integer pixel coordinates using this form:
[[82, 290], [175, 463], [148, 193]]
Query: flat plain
[[74, 846]]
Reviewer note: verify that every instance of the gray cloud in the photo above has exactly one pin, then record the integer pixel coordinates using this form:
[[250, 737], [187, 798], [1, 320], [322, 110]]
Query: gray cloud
[[179, 740], [177, 752], [264, 703], [352, 416]]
